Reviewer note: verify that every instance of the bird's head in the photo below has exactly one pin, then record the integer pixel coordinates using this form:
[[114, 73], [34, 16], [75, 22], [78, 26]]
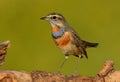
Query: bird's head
[[55, 19]]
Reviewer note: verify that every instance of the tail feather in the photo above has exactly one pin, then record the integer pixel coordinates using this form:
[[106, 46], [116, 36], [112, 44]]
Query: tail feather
[[92, 44], [88, 44]]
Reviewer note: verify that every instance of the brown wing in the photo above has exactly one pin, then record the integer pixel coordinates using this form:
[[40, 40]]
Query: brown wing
[[78, 42]]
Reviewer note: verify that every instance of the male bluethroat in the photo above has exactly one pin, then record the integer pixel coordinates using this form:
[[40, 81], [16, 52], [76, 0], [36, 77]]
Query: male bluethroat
[[66, 38]]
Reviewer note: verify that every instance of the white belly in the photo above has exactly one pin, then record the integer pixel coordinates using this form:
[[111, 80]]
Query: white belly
[[70, 49]]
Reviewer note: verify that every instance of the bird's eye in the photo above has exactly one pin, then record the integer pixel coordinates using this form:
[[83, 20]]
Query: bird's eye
[[54, 17]]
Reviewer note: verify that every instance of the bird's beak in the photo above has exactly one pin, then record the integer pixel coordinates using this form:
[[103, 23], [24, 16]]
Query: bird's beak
[[44, 18]]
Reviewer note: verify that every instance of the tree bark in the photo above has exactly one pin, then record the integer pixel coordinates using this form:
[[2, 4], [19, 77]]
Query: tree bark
[[106, 74]]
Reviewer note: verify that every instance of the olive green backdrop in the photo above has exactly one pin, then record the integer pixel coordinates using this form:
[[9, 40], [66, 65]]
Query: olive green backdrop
[[32, 47]]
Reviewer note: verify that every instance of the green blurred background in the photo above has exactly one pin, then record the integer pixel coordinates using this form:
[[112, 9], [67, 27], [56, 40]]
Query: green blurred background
[[32, 47]]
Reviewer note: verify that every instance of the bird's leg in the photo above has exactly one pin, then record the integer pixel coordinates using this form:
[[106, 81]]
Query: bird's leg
[[59, 70], [76, 68]]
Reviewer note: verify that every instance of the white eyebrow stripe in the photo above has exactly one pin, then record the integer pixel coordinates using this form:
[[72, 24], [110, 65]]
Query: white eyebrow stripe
[[55, 15]]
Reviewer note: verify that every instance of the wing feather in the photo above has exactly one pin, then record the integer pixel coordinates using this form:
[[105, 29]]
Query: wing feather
[[78, 42]]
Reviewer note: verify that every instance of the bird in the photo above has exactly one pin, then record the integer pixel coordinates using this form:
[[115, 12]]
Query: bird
[[67, 39]]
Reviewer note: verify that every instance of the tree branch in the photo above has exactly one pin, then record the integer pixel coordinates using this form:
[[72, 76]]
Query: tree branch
[[106, 74]]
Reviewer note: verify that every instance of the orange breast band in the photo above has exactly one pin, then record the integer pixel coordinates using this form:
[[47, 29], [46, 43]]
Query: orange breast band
[[64, 40]]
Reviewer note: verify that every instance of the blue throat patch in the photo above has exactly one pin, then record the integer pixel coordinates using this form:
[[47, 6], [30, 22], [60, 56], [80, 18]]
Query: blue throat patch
[[58, 34]]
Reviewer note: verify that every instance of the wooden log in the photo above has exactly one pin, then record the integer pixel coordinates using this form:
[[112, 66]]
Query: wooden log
[[106, 74]]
